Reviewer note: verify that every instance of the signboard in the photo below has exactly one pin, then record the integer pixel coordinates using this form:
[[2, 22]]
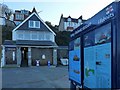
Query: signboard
[[89, 60], [104, 15], [97, 58], [100, 53]]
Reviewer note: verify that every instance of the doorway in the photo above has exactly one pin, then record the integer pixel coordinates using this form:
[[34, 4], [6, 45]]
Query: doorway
[[24, 54]]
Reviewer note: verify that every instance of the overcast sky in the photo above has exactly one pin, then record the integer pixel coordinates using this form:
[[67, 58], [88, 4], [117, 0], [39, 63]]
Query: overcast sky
[[51, 10]]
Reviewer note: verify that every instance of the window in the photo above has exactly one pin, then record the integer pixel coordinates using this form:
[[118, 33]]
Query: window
[[20, 36], [69, 23], [34, 35], [19, 17], [77, 43], [13, 55], [24, 12], [41, 36], [89, 39], [69, 19], [31, 24], [37, 24], [103, 34], [27, 35], [47, 37], [34, 24]]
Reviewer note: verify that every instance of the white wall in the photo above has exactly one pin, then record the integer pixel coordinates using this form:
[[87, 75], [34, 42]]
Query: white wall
[[72, 24], [14, 36], [33, 35], [65, 25]]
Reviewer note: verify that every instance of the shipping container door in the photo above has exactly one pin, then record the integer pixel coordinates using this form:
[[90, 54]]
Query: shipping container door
[[89, 60], [75, 60], [103, 56], [103, 66]]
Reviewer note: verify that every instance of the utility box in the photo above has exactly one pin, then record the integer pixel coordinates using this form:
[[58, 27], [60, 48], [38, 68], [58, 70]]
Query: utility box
[[94, 50]]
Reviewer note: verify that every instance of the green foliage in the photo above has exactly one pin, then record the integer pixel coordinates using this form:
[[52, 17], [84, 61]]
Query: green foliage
[[54, 28], [62, 37], [7, 33]]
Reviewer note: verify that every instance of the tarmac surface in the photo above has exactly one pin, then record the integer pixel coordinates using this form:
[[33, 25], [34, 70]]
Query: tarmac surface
[[35, 77]]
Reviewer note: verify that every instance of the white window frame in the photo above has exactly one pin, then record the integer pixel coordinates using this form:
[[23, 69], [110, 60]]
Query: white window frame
[[20, 36], [34, 24], [30, 26], [47, 36], [34, 35], [37, 22], [41, 35], [19, 16]]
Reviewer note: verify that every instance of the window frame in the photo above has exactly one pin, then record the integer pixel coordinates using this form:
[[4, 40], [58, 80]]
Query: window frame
[[20, 36], [35, 23], [19, 17]]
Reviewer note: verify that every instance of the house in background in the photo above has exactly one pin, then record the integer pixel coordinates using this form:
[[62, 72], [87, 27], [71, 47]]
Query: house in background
[[31, 40], [69, 24], [20, 16]]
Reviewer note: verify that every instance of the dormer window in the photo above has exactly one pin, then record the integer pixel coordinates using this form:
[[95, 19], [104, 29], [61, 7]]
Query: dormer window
[[69, 19], [79, 20], [34, 24]]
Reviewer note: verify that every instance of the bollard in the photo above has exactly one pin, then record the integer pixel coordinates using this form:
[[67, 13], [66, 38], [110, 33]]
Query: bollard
[[48, 63], [37, 63]]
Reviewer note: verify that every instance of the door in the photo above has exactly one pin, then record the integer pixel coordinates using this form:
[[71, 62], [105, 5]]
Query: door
[[24, 61]]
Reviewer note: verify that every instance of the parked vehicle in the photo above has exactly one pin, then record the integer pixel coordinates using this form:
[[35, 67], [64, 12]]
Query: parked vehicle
[[64, 61]]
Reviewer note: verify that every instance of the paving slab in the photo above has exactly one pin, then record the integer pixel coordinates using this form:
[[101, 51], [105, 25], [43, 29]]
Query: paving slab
[[35, 77]]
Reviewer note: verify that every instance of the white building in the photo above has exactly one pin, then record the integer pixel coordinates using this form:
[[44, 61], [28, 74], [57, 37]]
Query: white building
[[31, 40], [69, 24]]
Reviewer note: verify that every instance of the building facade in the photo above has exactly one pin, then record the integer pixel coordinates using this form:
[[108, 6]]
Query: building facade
[[20, 16], [0, 43], [32, 40], [69, 24]]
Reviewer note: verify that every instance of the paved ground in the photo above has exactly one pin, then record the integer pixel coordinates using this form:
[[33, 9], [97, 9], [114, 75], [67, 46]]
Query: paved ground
[[35, 77]]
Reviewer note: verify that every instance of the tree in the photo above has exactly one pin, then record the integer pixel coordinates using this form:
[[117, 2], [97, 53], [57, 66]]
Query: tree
[[7, 33], [5, 11], [62, 37], [54, 28]]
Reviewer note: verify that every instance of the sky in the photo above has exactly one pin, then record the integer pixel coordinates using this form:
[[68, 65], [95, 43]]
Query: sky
[[51, 10]]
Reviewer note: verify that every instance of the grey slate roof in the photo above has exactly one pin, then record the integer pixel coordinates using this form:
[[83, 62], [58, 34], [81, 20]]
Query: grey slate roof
[[34, 16], [9, 42], [72, 20], [35, 43], [29, 43], [62, 47]]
